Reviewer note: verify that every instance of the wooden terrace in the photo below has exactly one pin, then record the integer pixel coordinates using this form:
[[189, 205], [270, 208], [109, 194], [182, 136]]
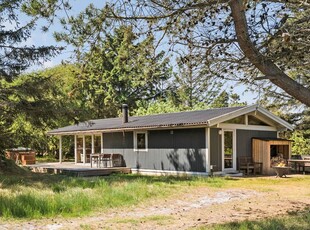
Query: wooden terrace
[[73, 169]]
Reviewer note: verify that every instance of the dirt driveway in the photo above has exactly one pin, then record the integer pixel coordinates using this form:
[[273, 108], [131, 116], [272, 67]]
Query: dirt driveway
[[200, 206]]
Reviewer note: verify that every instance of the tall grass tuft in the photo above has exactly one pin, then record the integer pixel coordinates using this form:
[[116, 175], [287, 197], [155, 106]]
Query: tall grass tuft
[[50, 195]]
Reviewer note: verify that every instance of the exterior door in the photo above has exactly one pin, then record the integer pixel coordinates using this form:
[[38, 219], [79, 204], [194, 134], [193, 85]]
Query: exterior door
[[229, 150]]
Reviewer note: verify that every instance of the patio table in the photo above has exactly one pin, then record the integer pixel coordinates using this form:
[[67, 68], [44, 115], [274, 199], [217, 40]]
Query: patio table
[[299, 163], [95, 156]]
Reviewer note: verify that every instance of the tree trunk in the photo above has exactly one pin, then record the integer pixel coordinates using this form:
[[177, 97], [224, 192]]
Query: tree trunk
[[266, 66]]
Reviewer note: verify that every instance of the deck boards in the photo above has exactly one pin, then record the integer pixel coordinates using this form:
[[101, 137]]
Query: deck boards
[[79, 171]]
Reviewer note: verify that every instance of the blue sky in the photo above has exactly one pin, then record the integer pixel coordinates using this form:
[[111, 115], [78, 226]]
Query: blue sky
[[40, 38]]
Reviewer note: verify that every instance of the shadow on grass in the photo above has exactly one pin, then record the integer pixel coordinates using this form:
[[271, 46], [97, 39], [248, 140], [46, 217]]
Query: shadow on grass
[[56, 182]]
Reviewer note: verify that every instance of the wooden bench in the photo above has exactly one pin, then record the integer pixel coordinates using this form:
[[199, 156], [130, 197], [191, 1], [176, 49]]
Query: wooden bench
[[247, 164]]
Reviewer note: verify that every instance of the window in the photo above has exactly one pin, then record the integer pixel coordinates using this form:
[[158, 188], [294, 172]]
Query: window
[[97, 142], [140, 141], [255, 121], [236, 120]]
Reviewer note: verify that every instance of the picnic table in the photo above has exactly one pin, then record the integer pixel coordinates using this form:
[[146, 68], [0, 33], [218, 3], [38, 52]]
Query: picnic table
[[300, 163]]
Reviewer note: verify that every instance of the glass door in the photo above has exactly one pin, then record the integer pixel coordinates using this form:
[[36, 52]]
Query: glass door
[[80, 147], [229, 155], [97, 142]]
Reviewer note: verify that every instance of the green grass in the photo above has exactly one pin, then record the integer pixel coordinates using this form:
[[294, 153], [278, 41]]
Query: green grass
[[51, 158], [37, 195], [28, 195], [157, 219], [298, 221]]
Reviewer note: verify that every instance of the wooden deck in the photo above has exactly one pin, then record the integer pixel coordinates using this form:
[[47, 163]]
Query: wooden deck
[[79, 170]]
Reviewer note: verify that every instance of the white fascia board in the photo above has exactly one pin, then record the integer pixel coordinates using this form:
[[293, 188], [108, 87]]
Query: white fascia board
[[91, 132], [275, 118], [99, 131]]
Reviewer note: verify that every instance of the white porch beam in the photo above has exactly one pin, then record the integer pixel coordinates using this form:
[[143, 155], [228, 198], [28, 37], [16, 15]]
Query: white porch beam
[[60, 149], [246, 127]]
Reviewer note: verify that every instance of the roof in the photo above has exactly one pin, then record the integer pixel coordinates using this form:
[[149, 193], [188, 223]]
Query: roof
[[207, 117], [270, 139]]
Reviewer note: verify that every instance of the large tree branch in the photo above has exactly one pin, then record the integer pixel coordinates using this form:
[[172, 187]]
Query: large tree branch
[[266, 66]]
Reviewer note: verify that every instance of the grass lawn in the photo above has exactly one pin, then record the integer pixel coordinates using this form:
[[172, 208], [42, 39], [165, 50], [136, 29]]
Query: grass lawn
[[26, 196], [38, 195]]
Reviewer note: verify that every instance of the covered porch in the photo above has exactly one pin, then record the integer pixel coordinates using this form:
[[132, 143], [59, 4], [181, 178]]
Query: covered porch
[[89, 152], [85, 144]]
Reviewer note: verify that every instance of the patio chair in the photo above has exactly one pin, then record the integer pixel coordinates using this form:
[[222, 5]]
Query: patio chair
[[247, 164], [117, 160], [106, 160]]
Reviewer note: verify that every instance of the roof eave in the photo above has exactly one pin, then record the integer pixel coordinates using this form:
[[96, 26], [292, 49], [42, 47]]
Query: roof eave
[[188, 125], [249, 109]]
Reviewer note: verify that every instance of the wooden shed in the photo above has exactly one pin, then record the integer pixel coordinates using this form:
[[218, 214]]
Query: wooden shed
[[270, 151]]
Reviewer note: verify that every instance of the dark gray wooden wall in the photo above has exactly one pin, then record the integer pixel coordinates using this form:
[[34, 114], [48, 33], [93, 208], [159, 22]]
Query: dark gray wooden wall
[[215, 149], [244, 140], [244, 144], [182, 150]]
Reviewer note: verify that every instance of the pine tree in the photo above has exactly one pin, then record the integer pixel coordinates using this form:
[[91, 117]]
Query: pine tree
[[236, 38], [16, 57], [119, 68]]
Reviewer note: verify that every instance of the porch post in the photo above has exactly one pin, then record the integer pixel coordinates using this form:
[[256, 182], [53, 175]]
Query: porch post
[[84, 150], [75, 150], [101, 140], [92, 143], [208, 160], [60, 149]]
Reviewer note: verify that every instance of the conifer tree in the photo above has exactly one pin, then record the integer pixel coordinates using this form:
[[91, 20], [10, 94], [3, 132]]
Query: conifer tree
[[18, 19], [241, 40], [118, 68]]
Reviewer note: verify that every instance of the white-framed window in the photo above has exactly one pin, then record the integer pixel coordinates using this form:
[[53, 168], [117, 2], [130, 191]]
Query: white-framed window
[[140, 141]]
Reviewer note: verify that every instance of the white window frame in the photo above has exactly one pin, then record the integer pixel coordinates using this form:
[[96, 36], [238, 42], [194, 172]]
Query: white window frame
[[135, 141], [234, 132]]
